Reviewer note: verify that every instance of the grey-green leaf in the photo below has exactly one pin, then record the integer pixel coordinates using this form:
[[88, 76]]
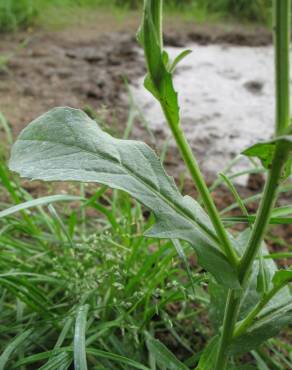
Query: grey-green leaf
[[64, 144]]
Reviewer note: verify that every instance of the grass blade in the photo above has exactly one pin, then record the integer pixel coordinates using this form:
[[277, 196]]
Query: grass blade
[[12, 346], [80, 362], [39, 202], [162, 355]]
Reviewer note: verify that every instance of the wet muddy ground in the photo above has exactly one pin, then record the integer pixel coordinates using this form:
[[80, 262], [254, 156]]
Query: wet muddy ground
[[87, 67], [226, 95]]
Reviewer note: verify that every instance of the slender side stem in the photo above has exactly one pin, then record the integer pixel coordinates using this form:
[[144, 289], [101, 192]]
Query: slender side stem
[[200, 183], [247, 322], [262, 220], [282, 42], [264, 212]]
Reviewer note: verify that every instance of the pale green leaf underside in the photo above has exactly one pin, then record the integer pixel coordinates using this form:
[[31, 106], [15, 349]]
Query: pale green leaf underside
[[64, 144]]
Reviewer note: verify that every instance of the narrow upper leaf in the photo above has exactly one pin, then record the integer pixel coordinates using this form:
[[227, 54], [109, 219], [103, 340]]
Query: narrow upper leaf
[[282, 278], [66, 145], [265, 151], [158, 80], [178, 59]]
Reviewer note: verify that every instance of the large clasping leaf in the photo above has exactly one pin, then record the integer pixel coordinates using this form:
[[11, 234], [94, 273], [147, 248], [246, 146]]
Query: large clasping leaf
[[64, 144]]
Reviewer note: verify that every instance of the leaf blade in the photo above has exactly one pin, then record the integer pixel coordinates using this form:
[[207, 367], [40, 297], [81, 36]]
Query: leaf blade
[[64, 144]]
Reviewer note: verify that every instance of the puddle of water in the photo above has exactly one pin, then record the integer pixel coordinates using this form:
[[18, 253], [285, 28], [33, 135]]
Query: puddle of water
[[226, 95]]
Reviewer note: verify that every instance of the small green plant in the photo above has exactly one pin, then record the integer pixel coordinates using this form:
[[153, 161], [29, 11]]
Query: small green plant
[[251, 301]]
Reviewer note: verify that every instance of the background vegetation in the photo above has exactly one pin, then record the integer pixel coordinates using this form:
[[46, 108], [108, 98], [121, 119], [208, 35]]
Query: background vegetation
[[23, 13]]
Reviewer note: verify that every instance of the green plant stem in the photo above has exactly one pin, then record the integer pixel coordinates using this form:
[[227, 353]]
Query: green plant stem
[[264, 212], [282, 10], [282, 40], [229, 321], [153, 10], [248, 321], [156, 11], [201, 185]]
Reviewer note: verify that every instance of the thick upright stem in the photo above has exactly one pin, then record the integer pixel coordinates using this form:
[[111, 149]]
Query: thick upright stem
[[282, 40], [153, 16], [230, 316], [282, 10], [282, 58], [156, 11]]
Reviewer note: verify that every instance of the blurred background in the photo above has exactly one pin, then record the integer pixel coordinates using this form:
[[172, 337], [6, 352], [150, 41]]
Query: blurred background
[[14, 14]]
